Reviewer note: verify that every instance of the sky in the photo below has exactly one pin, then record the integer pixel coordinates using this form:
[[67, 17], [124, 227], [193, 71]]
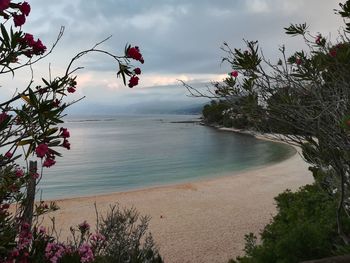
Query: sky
[[179, 39]]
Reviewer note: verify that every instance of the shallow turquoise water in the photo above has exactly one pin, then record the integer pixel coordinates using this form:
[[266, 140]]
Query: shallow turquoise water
[[118, 153]]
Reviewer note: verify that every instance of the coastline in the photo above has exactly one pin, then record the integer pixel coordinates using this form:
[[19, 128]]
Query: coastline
[[202, 221]]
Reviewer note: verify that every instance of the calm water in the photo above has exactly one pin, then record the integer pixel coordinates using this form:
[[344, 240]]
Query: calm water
[[127, 152]]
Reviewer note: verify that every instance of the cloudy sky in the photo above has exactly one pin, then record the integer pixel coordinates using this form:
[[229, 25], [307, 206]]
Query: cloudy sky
[[179, 39]]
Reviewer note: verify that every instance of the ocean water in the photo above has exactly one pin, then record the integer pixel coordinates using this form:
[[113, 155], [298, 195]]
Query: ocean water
[[119, 153]]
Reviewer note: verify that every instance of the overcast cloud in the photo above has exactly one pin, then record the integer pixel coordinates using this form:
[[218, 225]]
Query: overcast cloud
[[179, 39]]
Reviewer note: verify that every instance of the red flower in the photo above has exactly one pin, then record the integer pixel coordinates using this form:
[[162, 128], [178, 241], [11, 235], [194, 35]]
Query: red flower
[[19, 20], [4, 4], [234, 74], [19, 173], [29, 39], [25, 8], [66, 144], [333, 53], [49, 162], [133, 81], [298, 61], [65, 133], [71, 89], [35, 175], [5, 206], [42, 150], [3, 117], [318, 40], [39, 48], [8, 155], [137, 71], [134, 53], [56, 103]]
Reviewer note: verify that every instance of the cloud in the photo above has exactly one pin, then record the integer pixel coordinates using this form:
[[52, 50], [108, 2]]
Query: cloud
[[178, 38]]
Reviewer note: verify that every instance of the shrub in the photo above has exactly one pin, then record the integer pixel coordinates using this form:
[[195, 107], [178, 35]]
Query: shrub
[[304, 228], [126, 237]]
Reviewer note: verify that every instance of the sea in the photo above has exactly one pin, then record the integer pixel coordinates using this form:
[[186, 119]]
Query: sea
[[127, 152]]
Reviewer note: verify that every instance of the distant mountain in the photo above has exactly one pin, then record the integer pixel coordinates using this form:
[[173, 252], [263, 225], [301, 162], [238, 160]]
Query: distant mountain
[[150, 107]]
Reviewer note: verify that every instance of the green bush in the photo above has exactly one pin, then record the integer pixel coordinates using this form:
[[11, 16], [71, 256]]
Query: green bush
[[126, 238], [304, 228]]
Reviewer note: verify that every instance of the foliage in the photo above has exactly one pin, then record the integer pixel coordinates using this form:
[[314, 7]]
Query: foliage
[[31, 129], [214, 113], [126, 239], [305, 96], [303, 229]]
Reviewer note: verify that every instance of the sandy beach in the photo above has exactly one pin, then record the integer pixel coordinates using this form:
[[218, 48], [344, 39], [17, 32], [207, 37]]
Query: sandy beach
[[202, 221]]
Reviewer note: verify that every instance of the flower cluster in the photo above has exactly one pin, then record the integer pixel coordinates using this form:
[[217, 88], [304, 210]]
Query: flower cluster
[[134, 53], [43, 150], [19, 11], [55, 251], [85, 253], [32, 47], [20, 252], [65, 134]]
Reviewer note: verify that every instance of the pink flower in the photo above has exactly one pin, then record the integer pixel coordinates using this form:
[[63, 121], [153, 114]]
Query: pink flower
[[71, 89], [133, 81], [137, 71], [42, 150], [97, 237], [65, 133], [19, 20], [49, 162], [35, 175], [56, 103], [298, 61], [19, 173], [234, 74], [8, 155], [24, 8], [15, 253], [4, 4], [42, 230], [86, 254]]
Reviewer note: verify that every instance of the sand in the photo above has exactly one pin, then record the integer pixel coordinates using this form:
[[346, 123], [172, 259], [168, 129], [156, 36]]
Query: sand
[[203, 221]]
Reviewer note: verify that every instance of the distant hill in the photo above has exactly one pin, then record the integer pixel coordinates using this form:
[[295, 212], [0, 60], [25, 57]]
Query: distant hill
[[155, 107]]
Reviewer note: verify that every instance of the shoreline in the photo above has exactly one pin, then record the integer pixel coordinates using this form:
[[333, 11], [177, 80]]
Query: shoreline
[[200, 221], [257, 136]]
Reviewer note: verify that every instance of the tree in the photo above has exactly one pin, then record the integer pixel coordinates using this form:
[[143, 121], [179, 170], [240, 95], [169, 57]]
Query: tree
[[32, 131], [307, 96]]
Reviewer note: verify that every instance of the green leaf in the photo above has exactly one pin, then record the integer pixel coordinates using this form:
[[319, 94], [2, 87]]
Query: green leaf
[[33, 98], [45, 81], [5, 35], [296, 29], [24, 142]]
